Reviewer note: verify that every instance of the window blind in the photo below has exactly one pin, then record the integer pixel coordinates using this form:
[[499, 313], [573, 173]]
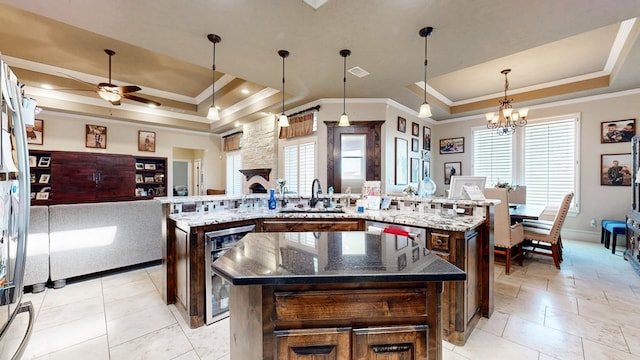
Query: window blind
[[299, 167], [550, 161], [492, 156], [234, 177]]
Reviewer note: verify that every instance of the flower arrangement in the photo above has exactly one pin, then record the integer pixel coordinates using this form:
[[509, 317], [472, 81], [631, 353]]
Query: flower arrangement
[[505, 185], [281, 183], [410, 190]]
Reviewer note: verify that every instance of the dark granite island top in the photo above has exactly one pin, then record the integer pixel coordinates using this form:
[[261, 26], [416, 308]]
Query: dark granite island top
[[331, 257], [341, 295]]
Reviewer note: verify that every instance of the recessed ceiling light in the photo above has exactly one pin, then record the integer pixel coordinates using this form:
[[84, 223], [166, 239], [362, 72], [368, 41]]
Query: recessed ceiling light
[[245, 91], [46, 86]]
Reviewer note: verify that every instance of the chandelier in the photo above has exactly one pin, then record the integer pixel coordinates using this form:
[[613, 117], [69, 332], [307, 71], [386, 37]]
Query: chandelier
[[506, 119]]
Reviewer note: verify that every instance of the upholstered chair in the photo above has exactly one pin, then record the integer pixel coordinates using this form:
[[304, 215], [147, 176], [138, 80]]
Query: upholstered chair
[[518, 195], [507, 237], [545, 238]]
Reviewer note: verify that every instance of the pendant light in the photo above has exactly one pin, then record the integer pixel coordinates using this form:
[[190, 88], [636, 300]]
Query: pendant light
[[283, 121], [213, 114], [344, 119], [425, 108]]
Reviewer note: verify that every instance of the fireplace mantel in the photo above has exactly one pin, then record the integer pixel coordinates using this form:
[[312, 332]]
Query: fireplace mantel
[[249, 173]]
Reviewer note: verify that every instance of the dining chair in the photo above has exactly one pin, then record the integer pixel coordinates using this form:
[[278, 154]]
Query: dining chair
[[544, 237], [507, 237], [518, 195]]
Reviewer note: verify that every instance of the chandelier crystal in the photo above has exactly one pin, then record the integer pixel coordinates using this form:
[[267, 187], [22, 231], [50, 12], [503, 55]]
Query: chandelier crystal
[[506, 119]]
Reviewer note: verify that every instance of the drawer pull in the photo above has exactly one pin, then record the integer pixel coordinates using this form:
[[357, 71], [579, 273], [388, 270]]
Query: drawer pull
[[313, 350], [391, 348], [438, 242]]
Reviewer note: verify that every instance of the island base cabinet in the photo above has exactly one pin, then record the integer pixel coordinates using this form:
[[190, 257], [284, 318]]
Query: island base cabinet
[[317, 344], [306, 321], [390, 343], [375, 343]]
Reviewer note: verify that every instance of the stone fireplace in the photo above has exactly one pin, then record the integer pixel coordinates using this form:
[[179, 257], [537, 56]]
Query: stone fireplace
[[259, 155], [256, 181]]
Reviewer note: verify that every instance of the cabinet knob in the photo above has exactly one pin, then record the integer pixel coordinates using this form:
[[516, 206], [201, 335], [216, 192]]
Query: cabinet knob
[[438, 242]]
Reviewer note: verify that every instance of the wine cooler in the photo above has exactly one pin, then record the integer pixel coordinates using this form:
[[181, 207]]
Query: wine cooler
[[218, 242]]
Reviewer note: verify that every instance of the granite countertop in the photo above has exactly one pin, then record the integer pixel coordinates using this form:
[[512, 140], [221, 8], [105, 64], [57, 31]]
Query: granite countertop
[[401, 217], [330, 257]]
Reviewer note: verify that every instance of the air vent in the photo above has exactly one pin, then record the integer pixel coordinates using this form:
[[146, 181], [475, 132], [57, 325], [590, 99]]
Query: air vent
[[358, 71]]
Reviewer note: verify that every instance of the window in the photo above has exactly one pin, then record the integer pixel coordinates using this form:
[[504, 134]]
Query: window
[[299, 166], [543, 156], [492, 156], [353, 160], [550, 161], [234, 177]]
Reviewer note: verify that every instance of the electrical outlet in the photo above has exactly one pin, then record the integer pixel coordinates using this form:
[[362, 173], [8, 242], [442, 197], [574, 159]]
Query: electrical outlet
[[593, 223]]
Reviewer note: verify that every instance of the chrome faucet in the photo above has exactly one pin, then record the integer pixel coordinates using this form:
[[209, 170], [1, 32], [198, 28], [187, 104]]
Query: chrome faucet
[[314, 194], [284, 199]]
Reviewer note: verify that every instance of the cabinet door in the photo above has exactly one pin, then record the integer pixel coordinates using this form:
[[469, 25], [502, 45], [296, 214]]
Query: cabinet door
[[73, 177], [305, 225], [313, 344], [116, 177], [390, 343]]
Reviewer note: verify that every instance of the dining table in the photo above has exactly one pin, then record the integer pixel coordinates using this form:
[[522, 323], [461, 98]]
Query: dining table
[[520, 212]]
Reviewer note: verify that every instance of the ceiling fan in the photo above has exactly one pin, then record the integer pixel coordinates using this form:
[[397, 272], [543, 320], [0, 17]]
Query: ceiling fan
[[113, 93]]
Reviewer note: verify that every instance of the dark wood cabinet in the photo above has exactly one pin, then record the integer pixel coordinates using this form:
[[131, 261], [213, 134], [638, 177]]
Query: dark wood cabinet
[[150, 177], [317, 225], [40, 168], [67, 177], [88, 177], [632, 251]]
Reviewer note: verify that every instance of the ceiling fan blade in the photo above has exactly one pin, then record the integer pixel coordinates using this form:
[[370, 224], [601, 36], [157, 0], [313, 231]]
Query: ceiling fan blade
[[78, 80], [140, 99], [129, 89]]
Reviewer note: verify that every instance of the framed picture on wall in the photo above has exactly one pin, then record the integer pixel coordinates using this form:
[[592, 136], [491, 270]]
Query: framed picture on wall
[[617, 131], [450, 169], [615, 169], [415, 170], [402, 161], [35, 133], [426, 138], [146, 141], [402, 124], [426, 173], [415, 129], [96, 137], [452, 146], [415, 145]]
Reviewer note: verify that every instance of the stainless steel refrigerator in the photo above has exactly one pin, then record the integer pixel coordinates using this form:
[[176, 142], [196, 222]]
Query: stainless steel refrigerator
[[15, 189]]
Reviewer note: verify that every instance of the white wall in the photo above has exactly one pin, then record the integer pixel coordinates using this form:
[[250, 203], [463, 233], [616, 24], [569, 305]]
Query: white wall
[[66, 132]]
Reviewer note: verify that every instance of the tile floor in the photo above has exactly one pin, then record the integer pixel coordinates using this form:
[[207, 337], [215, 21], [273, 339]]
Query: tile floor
[[588, 310]]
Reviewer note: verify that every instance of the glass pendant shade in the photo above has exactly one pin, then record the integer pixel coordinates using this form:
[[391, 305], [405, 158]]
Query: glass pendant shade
[[425, 111], [344, 120], [213, 114], [283, 120]]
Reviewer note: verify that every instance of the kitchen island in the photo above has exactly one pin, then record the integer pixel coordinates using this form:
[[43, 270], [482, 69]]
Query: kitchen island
[[464, 240], [346, 295]]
